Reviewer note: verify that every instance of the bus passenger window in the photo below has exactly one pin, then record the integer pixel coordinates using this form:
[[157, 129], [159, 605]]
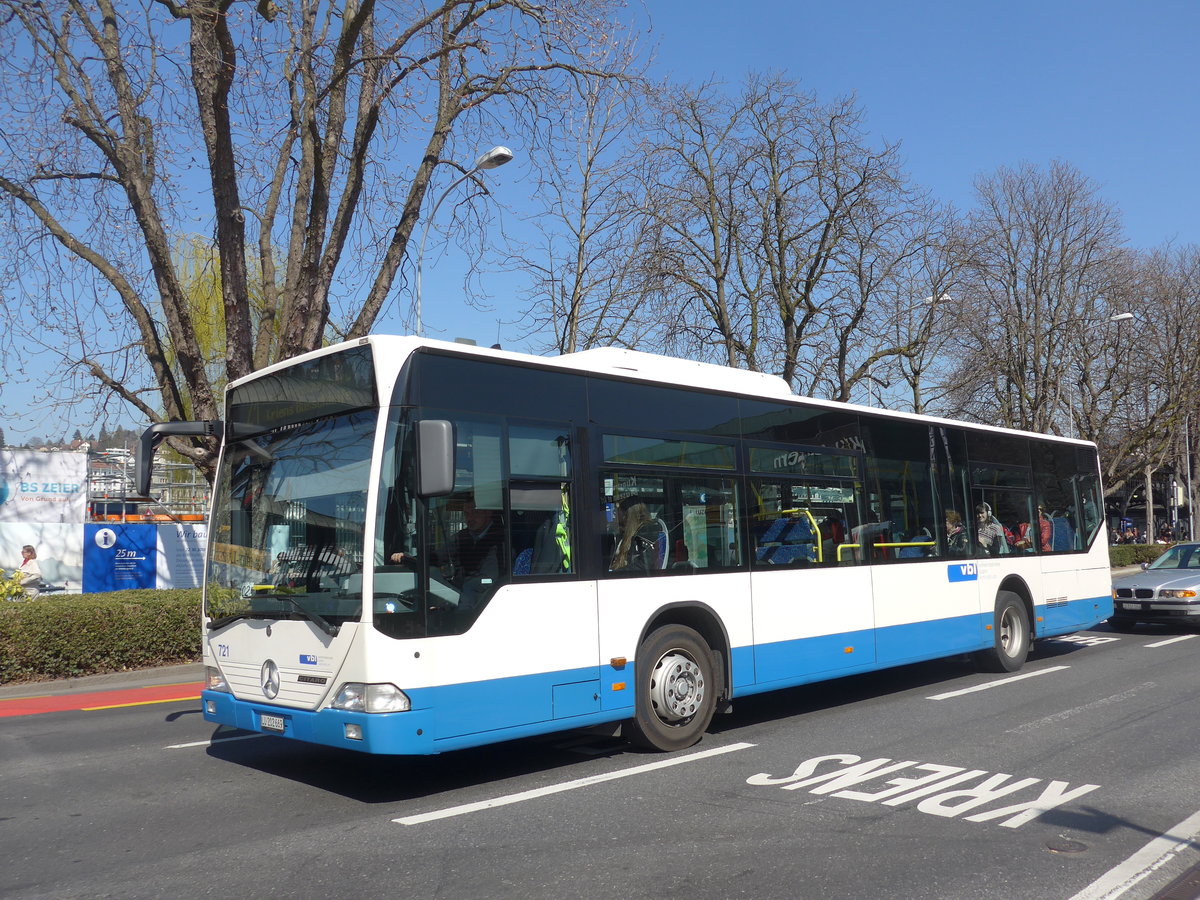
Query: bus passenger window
[[804, 523], [707, 512], [675, 525], [541, 529], [540, 499]]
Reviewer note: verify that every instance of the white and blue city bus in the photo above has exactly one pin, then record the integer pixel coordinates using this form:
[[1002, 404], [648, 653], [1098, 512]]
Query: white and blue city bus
[[418, 546]]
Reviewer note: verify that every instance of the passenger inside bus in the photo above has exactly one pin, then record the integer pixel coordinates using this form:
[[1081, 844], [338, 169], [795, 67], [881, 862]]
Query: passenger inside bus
[[868, 535], [641, 538], [989, 532], [956, 534]]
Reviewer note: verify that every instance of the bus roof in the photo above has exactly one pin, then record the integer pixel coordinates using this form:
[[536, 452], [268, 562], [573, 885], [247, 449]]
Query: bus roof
[[634, 365]]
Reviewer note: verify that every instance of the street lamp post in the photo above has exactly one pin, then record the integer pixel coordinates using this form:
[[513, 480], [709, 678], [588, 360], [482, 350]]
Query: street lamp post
[[1187, 455], [493, 159], [1114, 319]]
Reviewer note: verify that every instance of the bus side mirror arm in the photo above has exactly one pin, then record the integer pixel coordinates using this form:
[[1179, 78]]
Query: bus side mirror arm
[[435, 457], [153, 436]]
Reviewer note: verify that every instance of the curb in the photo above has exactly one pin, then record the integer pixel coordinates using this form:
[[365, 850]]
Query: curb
[[112, 681]]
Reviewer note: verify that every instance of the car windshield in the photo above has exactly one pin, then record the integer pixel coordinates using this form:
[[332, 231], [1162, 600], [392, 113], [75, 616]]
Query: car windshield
[[287, 536], [1181, 556]]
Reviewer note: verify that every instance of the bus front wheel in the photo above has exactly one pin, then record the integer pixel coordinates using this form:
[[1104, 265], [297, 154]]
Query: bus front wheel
[[676, 691], [1011, 638]]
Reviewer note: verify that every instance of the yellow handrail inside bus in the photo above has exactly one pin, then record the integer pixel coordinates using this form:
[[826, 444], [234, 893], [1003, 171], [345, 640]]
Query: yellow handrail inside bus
[[842, 547], [812, 522]]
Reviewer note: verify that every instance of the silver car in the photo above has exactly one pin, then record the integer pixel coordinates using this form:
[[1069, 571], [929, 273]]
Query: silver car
[[1165, 591]]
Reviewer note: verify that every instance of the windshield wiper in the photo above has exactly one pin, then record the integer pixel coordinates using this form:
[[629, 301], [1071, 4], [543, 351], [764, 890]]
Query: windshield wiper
[[225, 620], [327, 627]]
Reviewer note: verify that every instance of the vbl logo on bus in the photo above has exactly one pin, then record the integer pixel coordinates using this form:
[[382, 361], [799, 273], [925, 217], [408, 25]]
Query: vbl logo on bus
[[963, 571]]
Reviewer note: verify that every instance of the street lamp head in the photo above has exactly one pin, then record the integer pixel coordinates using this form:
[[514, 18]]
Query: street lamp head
[[494, 158]]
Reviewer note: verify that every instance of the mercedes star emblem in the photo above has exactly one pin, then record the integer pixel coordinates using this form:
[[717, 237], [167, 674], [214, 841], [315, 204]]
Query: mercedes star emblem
[[269, 678]]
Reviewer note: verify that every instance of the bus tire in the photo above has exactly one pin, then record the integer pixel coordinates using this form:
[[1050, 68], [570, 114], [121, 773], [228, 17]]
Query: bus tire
[[1011, 638], [676, 692]]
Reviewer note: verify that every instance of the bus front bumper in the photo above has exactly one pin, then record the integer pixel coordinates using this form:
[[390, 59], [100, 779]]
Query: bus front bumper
[[384, 733]]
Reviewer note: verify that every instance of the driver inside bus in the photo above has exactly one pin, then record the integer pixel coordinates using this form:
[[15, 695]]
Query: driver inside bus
[[476, 550]]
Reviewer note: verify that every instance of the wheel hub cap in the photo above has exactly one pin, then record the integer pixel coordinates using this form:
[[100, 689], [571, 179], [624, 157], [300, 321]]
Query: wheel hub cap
[[676, 688]]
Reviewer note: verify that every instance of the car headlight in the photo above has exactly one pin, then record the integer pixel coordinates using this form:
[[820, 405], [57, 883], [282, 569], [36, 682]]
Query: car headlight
[[371, 698], [1177, 595], [214, 680]]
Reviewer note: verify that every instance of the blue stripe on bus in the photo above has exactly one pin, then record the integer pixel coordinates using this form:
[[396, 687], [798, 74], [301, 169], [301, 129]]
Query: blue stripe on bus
[[1073, 615], [824, 655], [456, 716]]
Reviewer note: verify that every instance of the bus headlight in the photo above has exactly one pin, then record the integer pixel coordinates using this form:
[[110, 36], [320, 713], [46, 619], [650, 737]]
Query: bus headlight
[[214, 680], [371, 698]]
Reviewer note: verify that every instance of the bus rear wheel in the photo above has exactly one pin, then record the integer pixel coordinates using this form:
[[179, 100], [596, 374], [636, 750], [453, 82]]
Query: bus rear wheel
[[676, 693], [1011, 638]]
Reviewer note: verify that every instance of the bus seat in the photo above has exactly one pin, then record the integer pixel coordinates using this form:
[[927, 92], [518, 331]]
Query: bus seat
[[1062, 534], [794, 554], [774, 530], [768, 542], [523, 563]]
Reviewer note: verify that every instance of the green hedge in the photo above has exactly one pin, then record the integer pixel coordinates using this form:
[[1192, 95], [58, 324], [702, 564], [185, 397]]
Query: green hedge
[[1120, 555], [62, 636]]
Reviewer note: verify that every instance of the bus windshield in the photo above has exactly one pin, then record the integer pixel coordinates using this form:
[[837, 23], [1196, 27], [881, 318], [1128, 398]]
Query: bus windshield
[[287, 535]]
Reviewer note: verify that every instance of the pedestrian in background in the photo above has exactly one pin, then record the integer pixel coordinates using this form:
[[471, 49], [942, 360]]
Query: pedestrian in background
[[30, 571]]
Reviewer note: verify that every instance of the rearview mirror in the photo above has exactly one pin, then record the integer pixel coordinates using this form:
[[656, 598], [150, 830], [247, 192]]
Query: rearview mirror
[[435, 457], [152, 437]]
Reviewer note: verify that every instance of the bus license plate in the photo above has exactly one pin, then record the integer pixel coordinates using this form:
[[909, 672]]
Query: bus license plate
[[271, 723]]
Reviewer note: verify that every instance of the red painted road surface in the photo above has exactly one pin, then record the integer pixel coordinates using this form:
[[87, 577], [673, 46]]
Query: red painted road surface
[[92, 700]]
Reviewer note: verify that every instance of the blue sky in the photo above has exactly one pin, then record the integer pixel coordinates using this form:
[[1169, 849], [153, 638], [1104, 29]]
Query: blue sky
[[1112, 87], [965, 87]]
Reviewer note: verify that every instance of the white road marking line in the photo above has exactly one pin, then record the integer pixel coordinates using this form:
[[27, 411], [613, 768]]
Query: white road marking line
[[1001, 683], [1084, 640], [1156, 854], [1174, 640], [211, 741], [565, 786], [1087, 707]]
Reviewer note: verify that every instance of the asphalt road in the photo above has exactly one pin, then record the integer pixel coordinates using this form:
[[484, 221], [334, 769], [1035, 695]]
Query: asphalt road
[[931, 781]]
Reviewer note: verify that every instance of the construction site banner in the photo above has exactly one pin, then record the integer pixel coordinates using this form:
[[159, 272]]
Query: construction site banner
[[118, 557], [180, 562], [59, 550], [43, 487]]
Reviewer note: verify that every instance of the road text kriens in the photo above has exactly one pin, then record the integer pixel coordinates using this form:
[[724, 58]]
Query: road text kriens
[[929, 791]]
